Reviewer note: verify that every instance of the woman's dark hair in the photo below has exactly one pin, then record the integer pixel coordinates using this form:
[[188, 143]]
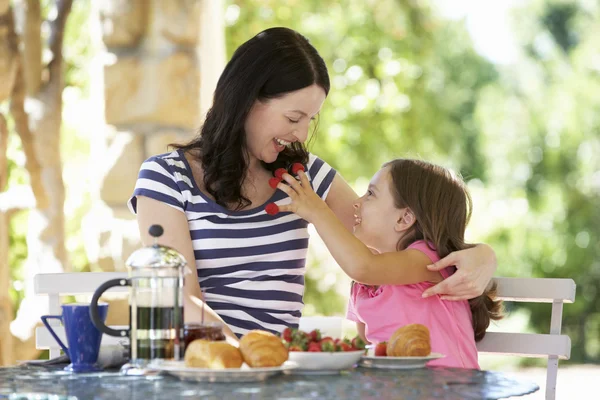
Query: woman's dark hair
[[271, 64], [442, 207]]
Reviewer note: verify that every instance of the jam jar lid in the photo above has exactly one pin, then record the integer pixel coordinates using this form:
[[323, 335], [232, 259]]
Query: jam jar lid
[[156, 256]]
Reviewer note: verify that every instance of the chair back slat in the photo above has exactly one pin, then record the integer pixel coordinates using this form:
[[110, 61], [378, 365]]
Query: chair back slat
[[536, 290]]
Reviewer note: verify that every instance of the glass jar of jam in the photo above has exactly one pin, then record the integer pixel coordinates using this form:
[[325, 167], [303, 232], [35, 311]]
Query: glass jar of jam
[[212, 331]]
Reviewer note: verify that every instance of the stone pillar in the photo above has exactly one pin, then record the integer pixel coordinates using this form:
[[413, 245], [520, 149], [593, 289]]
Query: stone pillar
[[152, 97]]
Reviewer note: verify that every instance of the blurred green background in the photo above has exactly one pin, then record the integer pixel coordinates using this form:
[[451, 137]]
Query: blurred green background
[[407, 80]]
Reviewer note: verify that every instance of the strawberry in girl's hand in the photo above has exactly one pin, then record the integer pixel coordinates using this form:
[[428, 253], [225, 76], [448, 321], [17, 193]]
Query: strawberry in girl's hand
[[279, 173], [314, 347], [381, 349], [297, 167], [273, 182], [272, 209], [315, 335]]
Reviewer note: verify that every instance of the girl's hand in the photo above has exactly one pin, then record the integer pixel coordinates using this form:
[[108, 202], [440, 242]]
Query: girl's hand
[[474, 270], [305, 202]]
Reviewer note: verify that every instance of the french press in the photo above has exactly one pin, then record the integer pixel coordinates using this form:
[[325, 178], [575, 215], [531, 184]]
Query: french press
[[155, 305]]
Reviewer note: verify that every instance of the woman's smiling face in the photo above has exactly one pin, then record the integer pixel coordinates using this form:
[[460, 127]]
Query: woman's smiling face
[[276, 123]]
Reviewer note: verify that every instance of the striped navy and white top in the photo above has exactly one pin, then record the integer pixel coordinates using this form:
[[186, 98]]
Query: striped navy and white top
[[250, 264]]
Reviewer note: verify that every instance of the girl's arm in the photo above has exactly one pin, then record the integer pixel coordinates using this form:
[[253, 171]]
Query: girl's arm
[[360, 328], [177, 236], [397, 268], [340, 199]]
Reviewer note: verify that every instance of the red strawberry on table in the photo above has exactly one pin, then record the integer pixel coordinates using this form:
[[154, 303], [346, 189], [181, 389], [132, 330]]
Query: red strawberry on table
[[272, 209], [297, 167], [343, 346], [273, 182], [287, 334], [315, 335], [314, 347], [327, 344], [381, 349], [279, 173], [358, 343]]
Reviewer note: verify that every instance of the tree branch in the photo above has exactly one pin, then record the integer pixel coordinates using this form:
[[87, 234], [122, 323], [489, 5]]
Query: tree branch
[[32, 164], [3, 153], [32, 41], [55, 44]]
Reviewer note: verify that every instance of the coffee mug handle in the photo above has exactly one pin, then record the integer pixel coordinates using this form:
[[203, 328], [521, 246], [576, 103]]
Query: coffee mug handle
[[45, 319], [95, 315]]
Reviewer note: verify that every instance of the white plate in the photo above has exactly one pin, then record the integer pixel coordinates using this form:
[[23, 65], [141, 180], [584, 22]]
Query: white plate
[[323, 363], [243, 374], [398, 362]]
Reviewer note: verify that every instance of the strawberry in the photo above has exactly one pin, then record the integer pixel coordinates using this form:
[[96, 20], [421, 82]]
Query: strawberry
[[327, 344], [297, 167], [295, 348], [314, 347], [381, 349], [358, 343], [343, 346], [272, 209], [287, 334], [273, 182], [315, 335], [279, 173]]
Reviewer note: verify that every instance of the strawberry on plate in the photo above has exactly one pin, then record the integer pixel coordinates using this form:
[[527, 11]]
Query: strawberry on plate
[[381, 349]]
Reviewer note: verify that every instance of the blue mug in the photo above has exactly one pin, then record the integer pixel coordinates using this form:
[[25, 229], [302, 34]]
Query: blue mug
[[83, 337]]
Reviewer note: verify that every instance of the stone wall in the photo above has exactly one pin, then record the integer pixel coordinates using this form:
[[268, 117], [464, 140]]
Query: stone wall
[[152, 93]]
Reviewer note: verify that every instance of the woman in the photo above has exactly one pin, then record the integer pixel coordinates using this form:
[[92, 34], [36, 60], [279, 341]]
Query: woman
[[210, 194]]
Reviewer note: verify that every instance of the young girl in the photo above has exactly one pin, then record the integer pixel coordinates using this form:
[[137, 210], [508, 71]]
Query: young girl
[[413, 214]]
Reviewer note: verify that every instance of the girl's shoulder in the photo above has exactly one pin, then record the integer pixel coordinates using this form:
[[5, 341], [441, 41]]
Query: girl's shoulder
[[425, 247]]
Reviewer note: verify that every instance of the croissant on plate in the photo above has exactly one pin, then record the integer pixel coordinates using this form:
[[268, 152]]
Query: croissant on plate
[[263, 349], [411, 340], [214, 355]]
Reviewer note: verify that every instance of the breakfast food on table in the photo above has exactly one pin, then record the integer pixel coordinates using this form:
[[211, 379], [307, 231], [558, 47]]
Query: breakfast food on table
[[381, 349], [263, 349], [214, 355], [297, 340], [411, 340]]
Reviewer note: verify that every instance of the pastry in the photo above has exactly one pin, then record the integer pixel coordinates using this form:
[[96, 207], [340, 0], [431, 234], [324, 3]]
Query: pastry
[[263, 349], [214, 355], [411, 340]]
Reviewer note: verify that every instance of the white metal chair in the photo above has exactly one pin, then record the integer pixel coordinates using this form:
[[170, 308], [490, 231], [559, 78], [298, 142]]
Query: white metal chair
[[56, 285], [553, 346]]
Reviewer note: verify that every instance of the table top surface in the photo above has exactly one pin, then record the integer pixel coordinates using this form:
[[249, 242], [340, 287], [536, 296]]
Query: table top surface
[[360, 383]]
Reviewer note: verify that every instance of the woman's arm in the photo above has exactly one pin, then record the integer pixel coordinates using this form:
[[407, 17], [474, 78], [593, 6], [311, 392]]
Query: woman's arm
[[474, 270], [177, 235]]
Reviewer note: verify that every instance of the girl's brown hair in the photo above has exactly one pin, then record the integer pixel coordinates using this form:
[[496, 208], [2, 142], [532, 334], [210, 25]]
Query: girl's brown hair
[[442, 207]]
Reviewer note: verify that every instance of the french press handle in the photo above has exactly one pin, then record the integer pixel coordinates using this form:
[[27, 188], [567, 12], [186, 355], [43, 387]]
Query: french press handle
[[95, 315]]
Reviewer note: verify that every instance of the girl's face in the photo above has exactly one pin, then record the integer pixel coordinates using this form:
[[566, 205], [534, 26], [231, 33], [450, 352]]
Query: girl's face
[[277, 123], [377, 219]]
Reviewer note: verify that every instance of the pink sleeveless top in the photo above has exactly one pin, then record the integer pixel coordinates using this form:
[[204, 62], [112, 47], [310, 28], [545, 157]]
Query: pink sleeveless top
[[387, 308]]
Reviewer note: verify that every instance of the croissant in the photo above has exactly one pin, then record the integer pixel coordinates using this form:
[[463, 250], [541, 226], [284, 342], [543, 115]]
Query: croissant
[[410, 340], [214, 355], [263, 349]]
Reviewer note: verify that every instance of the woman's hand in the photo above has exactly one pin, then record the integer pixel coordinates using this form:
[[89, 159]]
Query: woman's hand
[[305, 202], [474, 270]]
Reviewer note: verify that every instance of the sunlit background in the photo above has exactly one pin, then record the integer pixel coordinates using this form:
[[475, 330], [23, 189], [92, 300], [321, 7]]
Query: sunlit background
[[505, 92]]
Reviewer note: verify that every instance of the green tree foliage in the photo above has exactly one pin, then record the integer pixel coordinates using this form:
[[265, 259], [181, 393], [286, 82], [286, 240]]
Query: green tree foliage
[[542, 124], [404, 83]]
